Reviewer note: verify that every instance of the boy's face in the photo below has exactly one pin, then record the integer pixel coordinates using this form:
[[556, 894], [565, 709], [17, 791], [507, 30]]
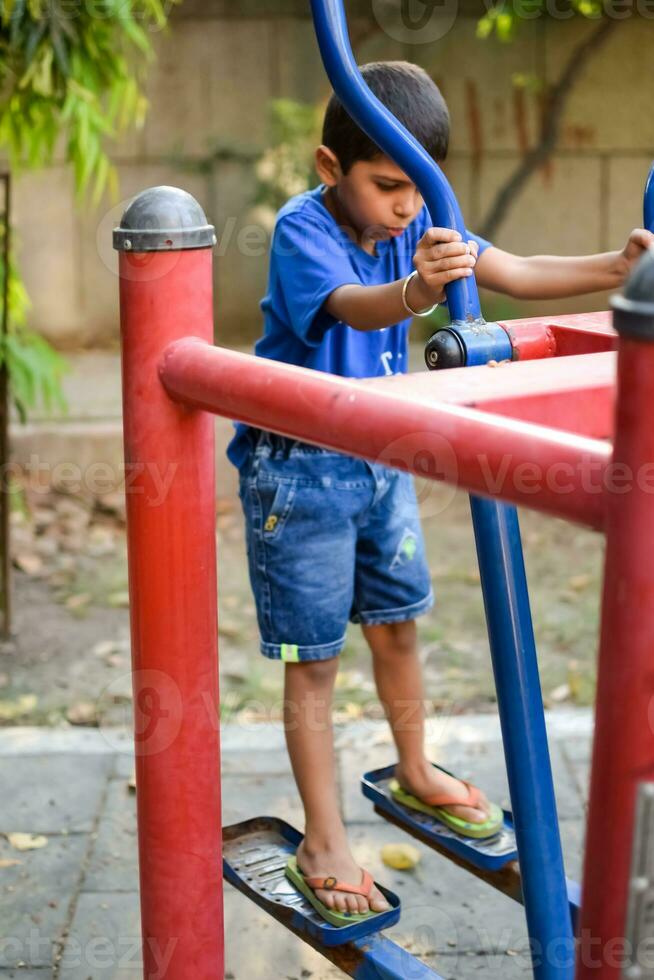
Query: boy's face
[[375, 197]]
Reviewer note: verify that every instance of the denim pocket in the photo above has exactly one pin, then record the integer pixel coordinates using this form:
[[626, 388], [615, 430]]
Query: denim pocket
[[276, 504]]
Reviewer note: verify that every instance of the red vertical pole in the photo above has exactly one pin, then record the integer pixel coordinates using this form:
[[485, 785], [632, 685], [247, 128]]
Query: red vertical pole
[[165, 294], [623, 751]]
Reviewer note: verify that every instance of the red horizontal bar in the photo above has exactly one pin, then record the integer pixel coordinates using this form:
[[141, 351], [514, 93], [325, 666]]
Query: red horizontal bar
[[575, 394], [561, 336], [545, 469]]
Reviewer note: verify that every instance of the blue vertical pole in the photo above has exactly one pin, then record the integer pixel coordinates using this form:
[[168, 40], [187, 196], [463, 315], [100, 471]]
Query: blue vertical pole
[[520, 705], [385, 130], [499, 549], [648, 204]]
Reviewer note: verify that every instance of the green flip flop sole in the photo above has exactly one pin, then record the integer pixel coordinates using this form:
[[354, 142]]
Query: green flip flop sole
[[478, 831], [296, 877]]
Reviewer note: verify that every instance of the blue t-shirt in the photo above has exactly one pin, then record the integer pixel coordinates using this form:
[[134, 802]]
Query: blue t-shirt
[[310, 257]]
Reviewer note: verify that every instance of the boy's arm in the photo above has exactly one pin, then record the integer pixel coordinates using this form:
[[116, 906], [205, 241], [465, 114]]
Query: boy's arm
[[555, 277], [440, 257]]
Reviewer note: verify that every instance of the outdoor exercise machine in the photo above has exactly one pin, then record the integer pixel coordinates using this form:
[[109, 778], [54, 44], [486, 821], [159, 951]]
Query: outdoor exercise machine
[[546, 417]]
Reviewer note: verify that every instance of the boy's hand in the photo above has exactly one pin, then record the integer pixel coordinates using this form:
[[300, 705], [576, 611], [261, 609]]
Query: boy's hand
[[441, 257], [637, 243]]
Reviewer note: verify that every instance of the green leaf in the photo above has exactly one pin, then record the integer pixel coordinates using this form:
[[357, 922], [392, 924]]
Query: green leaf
[[74, 79]]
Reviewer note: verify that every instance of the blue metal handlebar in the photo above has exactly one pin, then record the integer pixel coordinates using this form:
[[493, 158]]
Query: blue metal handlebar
[[648, 204], [395, 141]]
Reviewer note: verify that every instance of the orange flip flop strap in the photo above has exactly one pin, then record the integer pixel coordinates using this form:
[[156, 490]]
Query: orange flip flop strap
[[332, 884], [440, 799]]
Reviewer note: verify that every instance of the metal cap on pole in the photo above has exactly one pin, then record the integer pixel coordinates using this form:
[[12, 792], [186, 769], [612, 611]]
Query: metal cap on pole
[[163, 219]]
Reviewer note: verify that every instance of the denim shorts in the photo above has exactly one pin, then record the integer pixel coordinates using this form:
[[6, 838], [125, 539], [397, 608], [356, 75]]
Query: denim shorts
[[330, 538]]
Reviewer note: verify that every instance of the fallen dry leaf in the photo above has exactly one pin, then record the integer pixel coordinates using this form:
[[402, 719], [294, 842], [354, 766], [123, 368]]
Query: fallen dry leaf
[[82, 713], [9, 710], [228, 629], [112, 503], [26, 842], [579, 582], [104, 648], [401, 857], [118, 599], [31, 564], [9, 862], [78, 601], [560, 693]]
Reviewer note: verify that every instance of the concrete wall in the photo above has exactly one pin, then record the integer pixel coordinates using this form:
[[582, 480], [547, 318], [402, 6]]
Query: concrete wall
[[216, 71]]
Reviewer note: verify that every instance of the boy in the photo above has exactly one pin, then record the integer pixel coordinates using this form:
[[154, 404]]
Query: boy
[[331, 538]]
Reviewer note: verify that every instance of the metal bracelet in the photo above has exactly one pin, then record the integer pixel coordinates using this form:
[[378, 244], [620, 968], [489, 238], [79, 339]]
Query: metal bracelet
[[404, 299]]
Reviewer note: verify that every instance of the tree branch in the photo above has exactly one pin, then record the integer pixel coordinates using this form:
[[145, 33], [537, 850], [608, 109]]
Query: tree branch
[[556, 104]]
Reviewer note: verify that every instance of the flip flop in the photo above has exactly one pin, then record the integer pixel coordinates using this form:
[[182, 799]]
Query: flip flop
[[308, 885], [433, 806]]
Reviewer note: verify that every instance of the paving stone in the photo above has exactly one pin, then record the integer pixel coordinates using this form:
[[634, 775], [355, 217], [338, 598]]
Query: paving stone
[[577, 749], [458, 925], [572, 839], [258, 946], [256, 763], [105, 939], [113, 864], [352, 766], [443, 906], [51, 793], [30, 741], [252, 737], [34, 898], [123, 766], [22, 974], [577, 755], [581, 775], [254, 796], [509, 966]]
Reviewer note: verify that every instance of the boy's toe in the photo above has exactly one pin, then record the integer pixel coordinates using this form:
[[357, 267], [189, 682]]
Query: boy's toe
[[377, 902], [340, 903]]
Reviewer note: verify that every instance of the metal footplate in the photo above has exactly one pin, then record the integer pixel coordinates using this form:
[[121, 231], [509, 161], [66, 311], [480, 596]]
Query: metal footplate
[[489, 854], [255, 853], [494, 860]]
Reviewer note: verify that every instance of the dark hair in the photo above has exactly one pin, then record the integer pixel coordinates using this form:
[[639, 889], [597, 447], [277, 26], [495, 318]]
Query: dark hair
[[413, 98]]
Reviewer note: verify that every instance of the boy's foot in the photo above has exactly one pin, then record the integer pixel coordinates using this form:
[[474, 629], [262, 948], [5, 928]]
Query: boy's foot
[[425, 781], [338, 862]]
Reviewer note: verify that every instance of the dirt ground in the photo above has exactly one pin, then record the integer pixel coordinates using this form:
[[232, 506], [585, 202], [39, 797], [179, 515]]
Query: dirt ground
[[69, 662]]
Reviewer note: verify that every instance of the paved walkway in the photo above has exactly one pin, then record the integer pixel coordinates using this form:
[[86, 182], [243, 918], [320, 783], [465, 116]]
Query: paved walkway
[[69, 910]]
